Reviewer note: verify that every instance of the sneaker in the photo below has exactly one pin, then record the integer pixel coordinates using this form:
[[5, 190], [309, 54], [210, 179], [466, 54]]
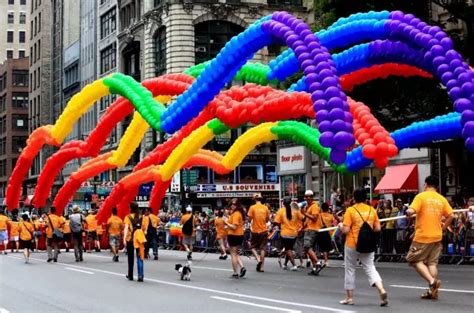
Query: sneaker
[[235, 276], [155, 258], [314, 272], [259, 266], [67, 249], [140, 279], [243, 271], [129, 278], [308, 263], [55, 260], [49, 260], [190, 258], [294, 268], [117, 258], [224, 257], [383, 299], [221, 257], [284, 267]]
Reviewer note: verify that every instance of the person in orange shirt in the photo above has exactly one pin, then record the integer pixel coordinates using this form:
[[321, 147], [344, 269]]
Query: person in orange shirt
[[4, 230], [38, 233], [351, 225], [259, 215], [152, 234], [235, 237], [91, 224], [221, 236], [53, 223], [114, 228], [324, 238], [188, 221], [313, 224], [290, 220], [100, 231], [66, 231], [26, 235], [430, 208], [14, 225]]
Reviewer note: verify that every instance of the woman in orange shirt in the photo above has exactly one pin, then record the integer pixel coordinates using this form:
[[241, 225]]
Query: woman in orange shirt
[[221, 236], [66, 231], [235, 237], [26, 235], [15, 233]]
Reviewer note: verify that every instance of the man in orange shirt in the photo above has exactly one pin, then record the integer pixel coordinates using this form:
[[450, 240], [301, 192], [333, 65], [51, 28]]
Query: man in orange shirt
[[91, 224], [67, 231], [114, 228], [221, 232], [151, 234], [259, 215], [3, 230], [313, 224], [14, 232], [430, 208], [53, 222], [188, 222]]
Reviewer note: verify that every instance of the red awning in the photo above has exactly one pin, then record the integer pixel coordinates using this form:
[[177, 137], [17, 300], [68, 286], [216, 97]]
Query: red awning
[[28, 200], [399, 179]]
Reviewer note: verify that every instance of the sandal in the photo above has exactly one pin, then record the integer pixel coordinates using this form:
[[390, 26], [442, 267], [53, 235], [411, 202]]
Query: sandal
[[426, 295], [434, 287], [384, 298], [346, 302]]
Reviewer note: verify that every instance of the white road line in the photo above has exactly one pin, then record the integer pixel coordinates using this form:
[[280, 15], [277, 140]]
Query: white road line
[[212, 268], [76, 270], [441, 289], [2, 310], [256, 305], [239, 295]]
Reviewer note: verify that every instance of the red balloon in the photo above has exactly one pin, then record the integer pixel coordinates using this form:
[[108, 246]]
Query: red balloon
[[379, 137], [381, 163], [392, 150], [369, 151], [361, 138], [382, 148]]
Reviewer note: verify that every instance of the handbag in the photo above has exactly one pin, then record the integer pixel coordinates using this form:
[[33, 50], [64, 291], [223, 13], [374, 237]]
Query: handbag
[[57, 234]]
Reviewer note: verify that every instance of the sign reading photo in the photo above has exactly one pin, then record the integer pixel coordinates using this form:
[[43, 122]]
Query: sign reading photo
[[292, 160]]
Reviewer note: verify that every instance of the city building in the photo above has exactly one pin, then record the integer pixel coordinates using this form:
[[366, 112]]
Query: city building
[[13, 115], [14, 29]]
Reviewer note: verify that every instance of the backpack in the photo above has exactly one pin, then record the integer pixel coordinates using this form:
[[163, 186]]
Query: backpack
[[367, 240], [76, 223], [136, 223], [188, 226]]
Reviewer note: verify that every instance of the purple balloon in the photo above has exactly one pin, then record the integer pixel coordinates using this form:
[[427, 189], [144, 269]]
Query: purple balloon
[[446, 77], [319, 105], [440, 35], [408, 18], [325, 126], [336, 114], [322, 66], [447, 43], [328, 82], [335, 102], [437, 50], [337, 156], [322, 115], [290, 40], [443, 68], [343, 140], [300, 49], [468, 89], [467, 131], [303, 57], [300, 28], [438, 61], [397, 15], [464, 78], [309, 69], [349, 128], [463, 104], [338, 126], [469, 144], [311, 77], [326, 139], [314, 86], [325, 73], [466, 116], [313, 46], [317, 95], [451, 84], [348, 118], [306, 63], [455, 93], [458, 71]]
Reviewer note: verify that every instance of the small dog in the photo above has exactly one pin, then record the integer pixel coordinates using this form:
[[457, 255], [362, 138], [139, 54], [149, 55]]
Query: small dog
[[184, 271]]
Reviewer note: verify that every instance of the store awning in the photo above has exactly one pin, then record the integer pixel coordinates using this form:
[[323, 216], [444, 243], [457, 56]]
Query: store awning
[[28, 199], [399, 179]]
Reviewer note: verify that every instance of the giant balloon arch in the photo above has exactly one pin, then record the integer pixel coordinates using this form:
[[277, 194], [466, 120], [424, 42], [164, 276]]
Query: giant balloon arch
[[349, 137]]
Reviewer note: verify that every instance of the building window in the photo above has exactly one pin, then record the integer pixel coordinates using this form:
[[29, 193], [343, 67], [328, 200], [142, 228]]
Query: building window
[[39, 22], [3, 101], [20, 99], [11, 18], [22, 36], [270, 174], [107, 23], [20, 78], [21, 53], [31, 29], [250, 174], [23, 2], [20, 121], [18, 143], [160, 52], [286, 2], [108, 58], [106, 101], [10, 36], [4, 124], [71, 75], [11, 1], [157, 2], [3, 81], [3, 144], [9, 54], [22, 18], [39, 50], [39, 77]]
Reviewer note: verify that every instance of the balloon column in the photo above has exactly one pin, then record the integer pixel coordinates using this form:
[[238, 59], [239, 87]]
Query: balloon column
[[371, 45]]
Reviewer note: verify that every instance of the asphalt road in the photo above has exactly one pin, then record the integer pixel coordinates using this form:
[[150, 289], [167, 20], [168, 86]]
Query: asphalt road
[[99, 285]]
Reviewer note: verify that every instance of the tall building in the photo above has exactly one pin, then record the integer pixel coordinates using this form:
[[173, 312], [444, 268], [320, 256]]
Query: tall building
[[14, 29], [13, 115]]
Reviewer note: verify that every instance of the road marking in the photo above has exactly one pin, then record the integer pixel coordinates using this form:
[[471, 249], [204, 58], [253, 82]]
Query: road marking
[[76, 270], [2, 310], [212, 268], [256, 305], [441, 289], [227, 293]]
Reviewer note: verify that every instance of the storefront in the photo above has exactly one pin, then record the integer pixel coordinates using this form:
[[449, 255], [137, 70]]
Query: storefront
[[294, 170]]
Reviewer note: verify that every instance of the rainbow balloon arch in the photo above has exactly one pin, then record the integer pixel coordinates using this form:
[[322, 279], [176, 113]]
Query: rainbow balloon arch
[[374, 45]]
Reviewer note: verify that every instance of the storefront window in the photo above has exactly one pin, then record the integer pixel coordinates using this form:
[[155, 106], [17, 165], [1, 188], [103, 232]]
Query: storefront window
[[293, 186], [271, 175], [250, 174], [202, 175], [224, 179]]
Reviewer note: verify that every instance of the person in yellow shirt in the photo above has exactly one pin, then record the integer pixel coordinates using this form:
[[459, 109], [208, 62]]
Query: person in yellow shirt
[[132, 223], [38, 234], [14, 225], [430, 208], [3, 230], [221, 234], [324, 239], [26, 235], [189, 223], [67, 231], [313, 224], [53, 223], [114, 228], [91, 225], [351, 225], [100, 231], [259, 215], [152, 234], [235, 237], [290, 220]]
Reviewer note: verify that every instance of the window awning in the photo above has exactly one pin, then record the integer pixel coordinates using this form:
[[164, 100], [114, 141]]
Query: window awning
[[399, 179]]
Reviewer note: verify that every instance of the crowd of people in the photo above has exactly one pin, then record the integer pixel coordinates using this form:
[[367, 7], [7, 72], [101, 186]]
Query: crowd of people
[[295, 229]]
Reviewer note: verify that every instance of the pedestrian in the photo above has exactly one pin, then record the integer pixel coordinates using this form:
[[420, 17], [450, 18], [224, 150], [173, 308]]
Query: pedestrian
[[67, 231], [152, 234], [324, 238], [433, 216], [76, 223], [313, 224], [290, 220], [189, 223], [258, 215], [38, 233], [221, 236], [114, 228], [235, 237], [334, 200], [134, 238], [356, 220], [389, 234], [92, 239], [401, 226], [14, 225], [100, 231], [54, 234], [4, 230], [26, 236]]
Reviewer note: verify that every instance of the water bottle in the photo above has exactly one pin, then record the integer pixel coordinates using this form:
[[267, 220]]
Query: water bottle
[[450, 248]]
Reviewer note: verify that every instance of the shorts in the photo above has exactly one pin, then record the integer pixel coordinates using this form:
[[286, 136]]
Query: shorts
[[37, 233], [14, 238], [91, 235], [3, 235], [298, 247], [235, 241], [288, 243], [427, 253], [25, 244], [310, 237], [258, 240], [99, 237], [324, 242], [67, 237], [114, 240], [188, 240]]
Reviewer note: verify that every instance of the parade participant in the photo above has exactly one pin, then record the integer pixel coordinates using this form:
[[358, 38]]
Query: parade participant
[[188, 221], [67, 231], [430, 208], [4, 230], [290, 220], [313, 224], [235, 237], [114, 228], [91, 224], [76, 223], [133, 239], [356, 220], [152, 234], [100, 231], [221, 236], [258, 215], [38, 233], [14, 225], [54, 228], [26, 235], [324, 239]]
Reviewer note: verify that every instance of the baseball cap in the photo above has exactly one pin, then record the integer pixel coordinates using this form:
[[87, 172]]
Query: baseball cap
[[257, 196], [189, 208], [309, 193]]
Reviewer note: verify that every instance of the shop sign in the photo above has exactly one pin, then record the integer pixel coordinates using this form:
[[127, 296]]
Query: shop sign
[[238, 187], [292, 160], [224, 195]]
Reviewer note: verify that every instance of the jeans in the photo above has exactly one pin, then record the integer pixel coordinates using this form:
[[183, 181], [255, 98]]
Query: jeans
[[130, 257], [77, 242], [350, 263], [50, 245]]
